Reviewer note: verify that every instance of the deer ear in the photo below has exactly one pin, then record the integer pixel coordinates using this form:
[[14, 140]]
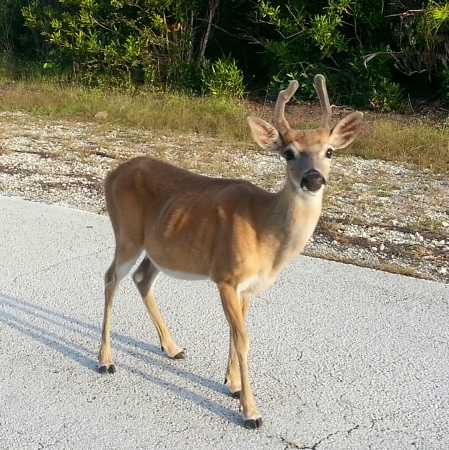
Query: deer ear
[[265, 135], [346, 130]]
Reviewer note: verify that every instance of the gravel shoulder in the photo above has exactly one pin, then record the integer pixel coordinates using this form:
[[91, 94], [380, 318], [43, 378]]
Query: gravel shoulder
[[377, 214]]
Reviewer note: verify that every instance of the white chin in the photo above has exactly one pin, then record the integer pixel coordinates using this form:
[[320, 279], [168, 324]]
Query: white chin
[[312, 193]]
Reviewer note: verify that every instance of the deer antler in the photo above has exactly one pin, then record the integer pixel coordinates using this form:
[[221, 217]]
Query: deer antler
[[320, 85], [283, 98]]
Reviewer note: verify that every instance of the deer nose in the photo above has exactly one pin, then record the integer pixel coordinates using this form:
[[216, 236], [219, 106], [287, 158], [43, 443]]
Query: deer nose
[[312, 181]]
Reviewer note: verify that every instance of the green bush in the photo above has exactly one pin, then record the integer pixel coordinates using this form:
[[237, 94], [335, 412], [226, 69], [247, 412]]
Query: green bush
[[361, 46], [223, 78], [129, 42], [368, 83]]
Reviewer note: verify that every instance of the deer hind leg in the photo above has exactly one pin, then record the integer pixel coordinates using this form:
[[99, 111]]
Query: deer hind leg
[[144, 278], [124, 259], [234, 314], [232, 376]]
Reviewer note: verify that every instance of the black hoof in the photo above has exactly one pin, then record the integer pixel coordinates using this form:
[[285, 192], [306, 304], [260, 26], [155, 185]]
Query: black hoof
[[104, 369], [236, 394], [253, 424], [180, 355]]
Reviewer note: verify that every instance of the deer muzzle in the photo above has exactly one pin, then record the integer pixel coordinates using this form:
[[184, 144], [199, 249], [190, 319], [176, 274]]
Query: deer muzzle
[[312, 181]]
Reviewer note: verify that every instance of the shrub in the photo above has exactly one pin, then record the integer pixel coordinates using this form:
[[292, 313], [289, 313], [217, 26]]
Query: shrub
[[223, 78]]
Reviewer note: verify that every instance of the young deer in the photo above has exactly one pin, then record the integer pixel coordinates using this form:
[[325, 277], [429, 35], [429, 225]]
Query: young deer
[[228, 231]]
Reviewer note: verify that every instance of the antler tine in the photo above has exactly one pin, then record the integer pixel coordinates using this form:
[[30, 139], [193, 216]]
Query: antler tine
[[283, 98], [320, 85]]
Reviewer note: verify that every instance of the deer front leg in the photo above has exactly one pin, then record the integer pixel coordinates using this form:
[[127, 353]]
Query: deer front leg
[[144, 278], [232, 376], [234, 314]]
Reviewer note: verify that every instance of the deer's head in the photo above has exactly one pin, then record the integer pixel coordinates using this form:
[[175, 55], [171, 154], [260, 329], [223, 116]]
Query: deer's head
[[308, 153]]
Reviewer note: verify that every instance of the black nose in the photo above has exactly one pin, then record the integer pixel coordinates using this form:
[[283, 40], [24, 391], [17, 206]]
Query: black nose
[[312, 181]]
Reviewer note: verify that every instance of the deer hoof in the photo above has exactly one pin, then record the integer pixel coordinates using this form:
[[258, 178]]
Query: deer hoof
[[180, 355], [253, 424], [105, 369], [236, 394]]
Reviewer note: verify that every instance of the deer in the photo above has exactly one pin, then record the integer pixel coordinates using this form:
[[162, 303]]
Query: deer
[[229, 231]]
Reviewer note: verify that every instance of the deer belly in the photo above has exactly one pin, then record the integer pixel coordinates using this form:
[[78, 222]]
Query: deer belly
[[255, 284], [181, 275]]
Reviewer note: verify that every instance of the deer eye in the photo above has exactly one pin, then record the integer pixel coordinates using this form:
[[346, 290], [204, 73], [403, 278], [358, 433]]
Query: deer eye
[[329, 153], [289, 155]]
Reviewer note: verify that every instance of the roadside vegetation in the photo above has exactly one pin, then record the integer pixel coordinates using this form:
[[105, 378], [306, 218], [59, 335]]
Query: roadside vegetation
[[387, 56]]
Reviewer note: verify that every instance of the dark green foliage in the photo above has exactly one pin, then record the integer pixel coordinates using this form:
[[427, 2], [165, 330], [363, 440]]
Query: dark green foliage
[[14, 37], [123, 42], [373, 53]]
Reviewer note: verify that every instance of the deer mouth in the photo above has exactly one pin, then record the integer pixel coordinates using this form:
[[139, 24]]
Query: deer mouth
[[312, 182]]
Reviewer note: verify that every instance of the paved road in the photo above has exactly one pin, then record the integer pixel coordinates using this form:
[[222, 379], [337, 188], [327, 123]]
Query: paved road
[[341, 357]]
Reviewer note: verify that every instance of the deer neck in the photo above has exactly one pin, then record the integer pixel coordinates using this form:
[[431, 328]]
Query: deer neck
[[295, 216]]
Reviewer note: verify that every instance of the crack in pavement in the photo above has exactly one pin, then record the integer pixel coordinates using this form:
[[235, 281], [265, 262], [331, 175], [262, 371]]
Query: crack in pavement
[[290, 444]]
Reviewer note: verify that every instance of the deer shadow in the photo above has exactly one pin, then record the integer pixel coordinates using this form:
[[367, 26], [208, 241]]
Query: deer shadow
[[20, 315]]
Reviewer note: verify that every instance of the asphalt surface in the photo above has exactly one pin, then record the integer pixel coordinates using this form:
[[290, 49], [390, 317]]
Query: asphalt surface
[[341, 357]]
